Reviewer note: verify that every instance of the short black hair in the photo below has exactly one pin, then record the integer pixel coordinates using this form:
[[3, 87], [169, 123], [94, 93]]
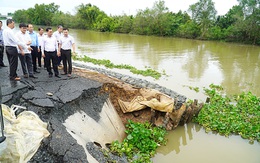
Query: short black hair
[[65, 29], [40, 28], [48, 28], [1, 21], [9, 21], [22, 25]]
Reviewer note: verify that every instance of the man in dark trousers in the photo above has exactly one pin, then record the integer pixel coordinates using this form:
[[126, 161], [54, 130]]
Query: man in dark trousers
[[11, 42], [1, 46], [49, 51], [66, 44], [35, 47], [25, 54]]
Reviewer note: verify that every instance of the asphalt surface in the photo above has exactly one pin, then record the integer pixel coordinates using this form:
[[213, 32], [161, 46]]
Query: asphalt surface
[[54, 100]]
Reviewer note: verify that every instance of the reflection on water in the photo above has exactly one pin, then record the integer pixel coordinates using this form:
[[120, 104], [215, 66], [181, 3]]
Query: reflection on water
[[186, 62], [178, 138], [189, 143]]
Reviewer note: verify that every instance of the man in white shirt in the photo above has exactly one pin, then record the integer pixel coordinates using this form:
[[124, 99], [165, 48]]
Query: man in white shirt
[[11, 42], [49, 51], [25, 54], [40, 38], [58, 35], [66, 44]]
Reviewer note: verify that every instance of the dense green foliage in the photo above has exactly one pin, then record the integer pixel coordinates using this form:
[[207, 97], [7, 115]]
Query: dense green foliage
[[239, 24], [141, 142], [238, 114], [109, 64]]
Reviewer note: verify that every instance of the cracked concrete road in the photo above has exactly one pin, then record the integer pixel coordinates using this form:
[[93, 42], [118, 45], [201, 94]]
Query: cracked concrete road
[[68, 95]]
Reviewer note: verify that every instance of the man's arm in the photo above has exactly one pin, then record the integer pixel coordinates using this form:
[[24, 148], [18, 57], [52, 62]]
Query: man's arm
[[15, 39], [73, 45], [43, 47]]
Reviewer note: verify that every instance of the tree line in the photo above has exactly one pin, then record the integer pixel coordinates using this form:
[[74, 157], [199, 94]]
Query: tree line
[[240, 24]]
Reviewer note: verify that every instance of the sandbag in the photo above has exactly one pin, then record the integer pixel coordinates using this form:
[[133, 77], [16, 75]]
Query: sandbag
[[24, 134], [149, 98]]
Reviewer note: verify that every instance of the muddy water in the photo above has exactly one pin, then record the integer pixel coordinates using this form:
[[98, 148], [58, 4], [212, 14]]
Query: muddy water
[[185, 62], [191, 144]]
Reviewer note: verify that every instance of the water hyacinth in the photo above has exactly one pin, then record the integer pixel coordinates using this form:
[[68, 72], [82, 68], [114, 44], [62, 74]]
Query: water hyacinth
[[237, 114]]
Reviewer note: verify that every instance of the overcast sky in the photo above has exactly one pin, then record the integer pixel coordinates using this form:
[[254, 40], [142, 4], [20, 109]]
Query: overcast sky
[[113, 7]]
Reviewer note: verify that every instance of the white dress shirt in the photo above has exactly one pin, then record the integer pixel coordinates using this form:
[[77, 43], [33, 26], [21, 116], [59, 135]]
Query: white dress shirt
[[40, 39], [57, 35], [25, 38], [66, 42], [49, 44], [10, 39]]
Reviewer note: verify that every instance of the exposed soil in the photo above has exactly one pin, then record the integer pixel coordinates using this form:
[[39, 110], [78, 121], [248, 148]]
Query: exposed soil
[[117, 89]]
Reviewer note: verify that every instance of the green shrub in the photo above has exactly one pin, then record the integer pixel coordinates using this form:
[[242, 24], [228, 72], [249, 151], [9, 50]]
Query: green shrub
[[141, 142]]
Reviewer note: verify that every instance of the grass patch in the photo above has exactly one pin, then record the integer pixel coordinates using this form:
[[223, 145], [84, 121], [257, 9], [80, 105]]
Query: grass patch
[[109, 64]]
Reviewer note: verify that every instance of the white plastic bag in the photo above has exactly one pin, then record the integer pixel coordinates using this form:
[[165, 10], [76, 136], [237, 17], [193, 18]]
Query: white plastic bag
[[24, 134]]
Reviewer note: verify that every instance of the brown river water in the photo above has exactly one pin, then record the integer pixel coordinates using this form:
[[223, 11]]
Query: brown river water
[[186, 63]]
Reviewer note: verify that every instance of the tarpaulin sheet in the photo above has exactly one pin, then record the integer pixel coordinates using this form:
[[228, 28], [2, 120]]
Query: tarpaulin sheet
[[149, 98], [24, 134]]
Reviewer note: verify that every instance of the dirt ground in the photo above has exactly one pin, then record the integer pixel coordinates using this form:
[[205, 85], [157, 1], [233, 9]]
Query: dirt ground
[[117, 89]]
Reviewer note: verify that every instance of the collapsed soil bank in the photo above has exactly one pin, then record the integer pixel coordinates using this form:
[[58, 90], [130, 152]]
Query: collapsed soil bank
[[86, 91]]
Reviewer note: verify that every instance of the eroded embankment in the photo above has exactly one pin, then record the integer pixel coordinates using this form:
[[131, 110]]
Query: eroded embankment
[[81, 102]]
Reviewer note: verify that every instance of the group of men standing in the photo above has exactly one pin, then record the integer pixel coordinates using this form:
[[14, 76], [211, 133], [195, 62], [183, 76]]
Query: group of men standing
[[30, 47]]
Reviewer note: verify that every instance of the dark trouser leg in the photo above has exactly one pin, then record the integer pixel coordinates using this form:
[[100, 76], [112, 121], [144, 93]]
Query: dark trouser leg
[[55, 63], [59, 60], [28, 60], [48, 62], [39, 58], [1, 55], [34, 54], [22, 61], [44, 62], [64, 61], [12, 55], [68, 57]]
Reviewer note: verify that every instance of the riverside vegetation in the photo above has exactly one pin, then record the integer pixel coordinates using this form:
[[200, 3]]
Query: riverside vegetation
[[141, 142], [200, 21], [109, 64], [236, 114]]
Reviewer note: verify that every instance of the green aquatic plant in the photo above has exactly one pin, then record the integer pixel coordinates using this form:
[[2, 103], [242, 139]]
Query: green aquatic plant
[[196, 89], [107, 63], [237, 114], [141, 142]]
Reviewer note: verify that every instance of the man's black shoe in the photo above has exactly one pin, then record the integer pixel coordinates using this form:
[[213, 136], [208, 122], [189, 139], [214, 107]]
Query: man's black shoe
[[50, 75], [36, 71], [57, 76], [32, 76]]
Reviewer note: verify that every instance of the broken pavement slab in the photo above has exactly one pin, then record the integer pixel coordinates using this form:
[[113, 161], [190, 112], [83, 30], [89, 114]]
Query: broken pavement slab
[[69, 96]]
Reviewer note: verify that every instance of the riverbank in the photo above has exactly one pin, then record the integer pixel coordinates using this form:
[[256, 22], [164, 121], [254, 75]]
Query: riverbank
[[55, 100]]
